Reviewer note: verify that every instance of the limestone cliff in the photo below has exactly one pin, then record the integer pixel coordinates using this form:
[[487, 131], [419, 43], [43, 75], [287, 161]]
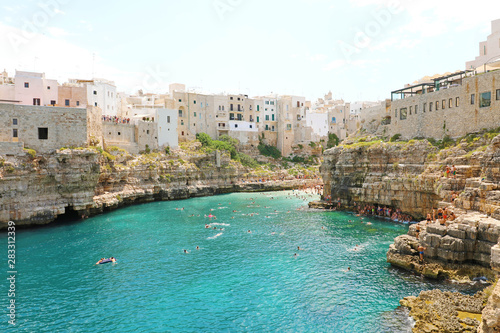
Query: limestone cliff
[[410, 176], [37, 189]]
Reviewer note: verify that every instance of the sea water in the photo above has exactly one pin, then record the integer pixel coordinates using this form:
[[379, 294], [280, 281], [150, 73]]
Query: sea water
[[248, 274]]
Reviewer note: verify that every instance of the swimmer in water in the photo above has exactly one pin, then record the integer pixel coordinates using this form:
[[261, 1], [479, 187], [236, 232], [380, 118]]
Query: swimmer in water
[[197, 247], [186, 251], [249, 231], [298, 248]]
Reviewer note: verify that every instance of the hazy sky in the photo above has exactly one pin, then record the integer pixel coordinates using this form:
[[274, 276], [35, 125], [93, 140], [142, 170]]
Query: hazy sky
[[358, 49]]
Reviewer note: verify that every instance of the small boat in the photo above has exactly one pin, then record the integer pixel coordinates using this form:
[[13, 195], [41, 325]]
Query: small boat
[[106, 260]]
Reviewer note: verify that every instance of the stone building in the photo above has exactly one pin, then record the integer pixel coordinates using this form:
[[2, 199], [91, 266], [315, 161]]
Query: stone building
[[453, 105], [48, 128]]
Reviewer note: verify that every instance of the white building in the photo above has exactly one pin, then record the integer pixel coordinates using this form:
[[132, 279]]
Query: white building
[[101, 93], [167, 127], [489, 51], [318, 122]]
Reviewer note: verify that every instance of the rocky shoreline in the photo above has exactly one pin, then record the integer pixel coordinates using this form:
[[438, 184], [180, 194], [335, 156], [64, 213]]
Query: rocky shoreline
[[76, 183], [409, 176]]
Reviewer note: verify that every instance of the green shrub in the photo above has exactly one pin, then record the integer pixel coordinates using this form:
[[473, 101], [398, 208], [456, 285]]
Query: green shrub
[[31, 152], [268, 150], [167, 150], [300, 146], [248, 161], [333, 140], [395, 137]]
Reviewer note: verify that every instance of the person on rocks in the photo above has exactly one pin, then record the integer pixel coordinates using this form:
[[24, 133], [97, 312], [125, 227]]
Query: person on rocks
[[454, 171], [447, 171], [421, 250], [429, 218], [440, 215]]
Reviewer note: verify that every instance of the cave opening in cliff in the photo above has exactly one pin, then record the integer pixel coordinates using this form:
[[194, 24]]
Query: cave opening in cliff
[[70, 215]]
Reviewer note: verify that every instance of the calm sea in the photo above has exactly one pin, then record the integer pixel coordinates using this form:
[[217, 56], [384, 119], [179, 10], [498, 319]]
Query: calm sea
[[237, 281]]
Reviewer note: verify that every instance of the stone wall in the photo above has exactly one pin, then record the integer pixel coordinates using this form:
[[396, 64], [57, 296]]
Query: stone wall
[[62, 126], [452, 119]]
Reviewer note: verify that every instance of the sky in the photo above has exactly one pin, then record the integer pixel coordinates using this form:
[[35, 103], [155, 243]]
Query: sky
[[358, 49]]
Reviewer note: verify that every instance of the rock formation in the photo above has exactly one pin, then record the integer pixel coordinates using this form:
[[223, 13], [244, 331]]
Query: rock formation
[[82, 182], [410, 176]]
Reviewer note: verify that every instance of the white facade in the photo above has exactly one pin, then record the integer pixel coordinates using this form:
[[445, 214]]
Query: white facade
[[488, 50], [167, 127], [102, 94], [34, 89], [318, 122]]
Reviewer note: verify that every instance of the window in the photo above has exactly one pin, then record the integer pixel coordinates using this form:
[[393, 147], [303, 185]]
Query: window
[[457, 102], [77, 103], [182, 133], [223, 108], [425, 107], [48, 87], [168, 119], [334, 120], [180, 100], [267, 117], [272, 128], [66, 102], [95, 103], [267, 127], [258, 107], [231, 107], [272, 116], [220, 108], [437, 105], [288, 127], [26, 84], [14, 133], [402, 113], [395, 113], [450, 103], [416, 109], [272, 102], [95, 92], [498, 94], [119, 133], [194, 102], [14, 121], [182, 122], [231, 98], [411, 108], [43, 133], [238, 98], [443, 104], [472, 98], [430, 106], [258, 119], [194, 114], [147, 132], [485, 99], [180, 113], [235, 125], [251, 126], [267, 102], [52, 103], [36, 101], [250, 108]]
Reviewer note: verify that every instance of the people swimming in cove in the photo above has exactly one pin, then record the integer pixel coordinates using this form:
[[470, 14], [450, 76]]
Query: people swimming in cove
[[186, 251], [106, 260]]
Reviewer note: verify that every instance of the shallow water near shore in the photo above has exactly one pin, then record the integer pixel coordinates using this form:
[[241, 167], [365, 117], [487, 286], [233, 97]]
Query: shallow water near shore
[[238, 281]]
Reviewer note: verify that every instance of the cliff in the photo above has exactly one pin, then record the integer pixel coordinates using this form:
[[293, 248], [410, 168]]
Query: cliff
[[410, 176], [38, 189]]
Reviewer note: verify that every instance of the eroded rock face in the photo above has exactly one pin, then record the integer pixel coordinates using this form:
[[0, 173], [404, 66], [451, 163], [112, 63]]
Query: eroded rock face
[[36, 190], [437, 311]]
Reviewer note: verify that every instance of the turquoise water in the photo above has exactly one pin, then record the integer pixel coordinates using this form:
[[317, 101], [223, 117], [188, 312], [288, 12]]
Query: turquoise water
[[236, 282]]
